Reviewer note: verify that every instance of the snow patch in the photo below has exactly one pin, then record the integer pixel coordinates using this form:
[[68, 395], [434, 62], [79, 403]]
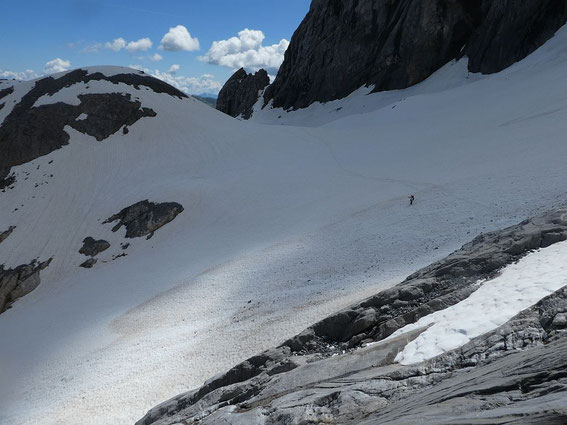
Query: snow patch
[[517, 288]]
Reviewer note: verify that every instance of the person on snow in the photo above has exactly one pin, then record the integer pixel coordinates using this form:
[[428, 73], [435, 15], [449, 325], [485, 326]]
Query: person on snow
[[411, 199]]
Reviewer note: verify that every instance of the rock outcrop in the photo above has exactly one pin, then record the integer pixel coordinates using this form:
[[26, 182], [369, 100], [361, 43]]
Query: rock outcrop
[[240, 93], [515, 374], [89, 263], [144, 218], [4, 235], [342, 45], [92, 247], [15, 283], [29, 131]]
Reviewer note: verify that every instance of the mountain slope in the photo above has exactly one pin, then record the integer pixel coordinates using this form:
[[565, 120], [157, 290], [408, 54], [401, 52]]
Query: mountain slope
[[281, 226]]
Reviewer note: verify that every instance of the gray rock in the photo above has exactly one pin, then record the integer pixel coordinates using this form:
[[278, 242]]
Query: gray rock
[[6, 233], [88, 264], [18, 282], [144, 217], [343, 45], [515, 374], [92, 247], [240, 93]]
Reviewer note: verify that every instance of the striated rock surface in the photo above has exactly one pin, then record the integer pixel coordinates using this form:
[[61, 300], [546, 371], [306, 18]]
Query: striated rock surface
[[15, 283], [240, 93], [327, 374], [144, 218], [342, 45]]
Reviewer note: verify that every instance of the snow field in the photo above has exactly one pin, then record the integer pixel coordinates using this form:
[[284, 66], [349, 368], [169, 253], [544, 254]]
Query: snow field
[[282, 226]]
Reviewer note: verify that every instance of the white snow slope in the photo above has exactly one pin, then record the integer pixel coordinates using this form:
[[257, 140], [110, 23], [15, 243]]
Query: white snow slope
[[282, 226]]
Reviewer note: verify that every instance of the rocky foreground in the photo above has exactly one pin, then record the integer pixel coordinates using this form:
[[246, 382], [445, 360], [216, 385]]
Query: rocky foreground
[[516, 374]]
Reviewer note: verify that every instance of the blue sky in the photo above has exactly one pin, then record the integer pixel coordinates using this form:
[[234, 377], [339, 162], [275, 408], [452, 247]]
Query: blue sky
[[75, 33]]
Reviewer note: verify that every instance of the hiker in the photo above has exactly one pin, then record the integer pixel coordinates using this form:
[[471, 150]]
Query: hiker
[[411, 199]]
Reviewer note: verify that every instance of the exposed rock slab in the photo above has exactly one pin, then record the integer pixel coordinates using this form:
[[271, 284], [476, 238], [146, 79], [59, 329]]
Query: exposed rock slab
[[342, 45], [18, 282], [144, 218], [240, 93], [515, 374], [92, 247]]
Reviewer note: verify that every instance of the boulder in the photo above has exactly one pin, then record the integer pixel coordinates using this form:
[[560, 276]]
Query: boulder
[[92, 247], [144, 218]]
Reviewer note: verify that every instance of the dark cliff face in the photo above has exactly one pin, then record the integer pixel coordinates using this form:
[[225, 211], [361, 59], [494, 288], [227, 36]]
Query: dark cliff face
[[240, 92], [342, 45], [511, 30]]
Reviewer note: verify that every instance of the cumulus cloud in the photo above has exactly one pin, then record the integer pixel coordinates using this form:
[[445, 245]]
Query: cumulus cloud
[[28, 74], [156, 57], [192, 85], [246, 51], [56, 65], [174, 68], [177, 39], [142, 44], [117, 44]]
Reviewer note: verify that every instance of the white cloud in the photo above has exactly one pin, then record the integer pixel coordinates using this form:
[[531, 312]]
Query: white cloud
[[192, 85], [156, 57], [28, 74], [247, 51], [56, 65], [174, 68], [177, 39], [142, 44], [117, 44]]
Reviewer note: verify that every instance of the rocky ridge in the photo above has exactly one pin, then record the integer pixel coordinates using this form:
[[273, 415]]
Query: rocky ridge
[[515, 374], [240, 93], [29, 131]]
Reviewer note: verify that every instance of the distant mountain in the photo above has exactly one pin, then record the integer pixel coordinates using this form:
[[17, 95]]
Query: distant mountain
[[209, 100], [211, 95]]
